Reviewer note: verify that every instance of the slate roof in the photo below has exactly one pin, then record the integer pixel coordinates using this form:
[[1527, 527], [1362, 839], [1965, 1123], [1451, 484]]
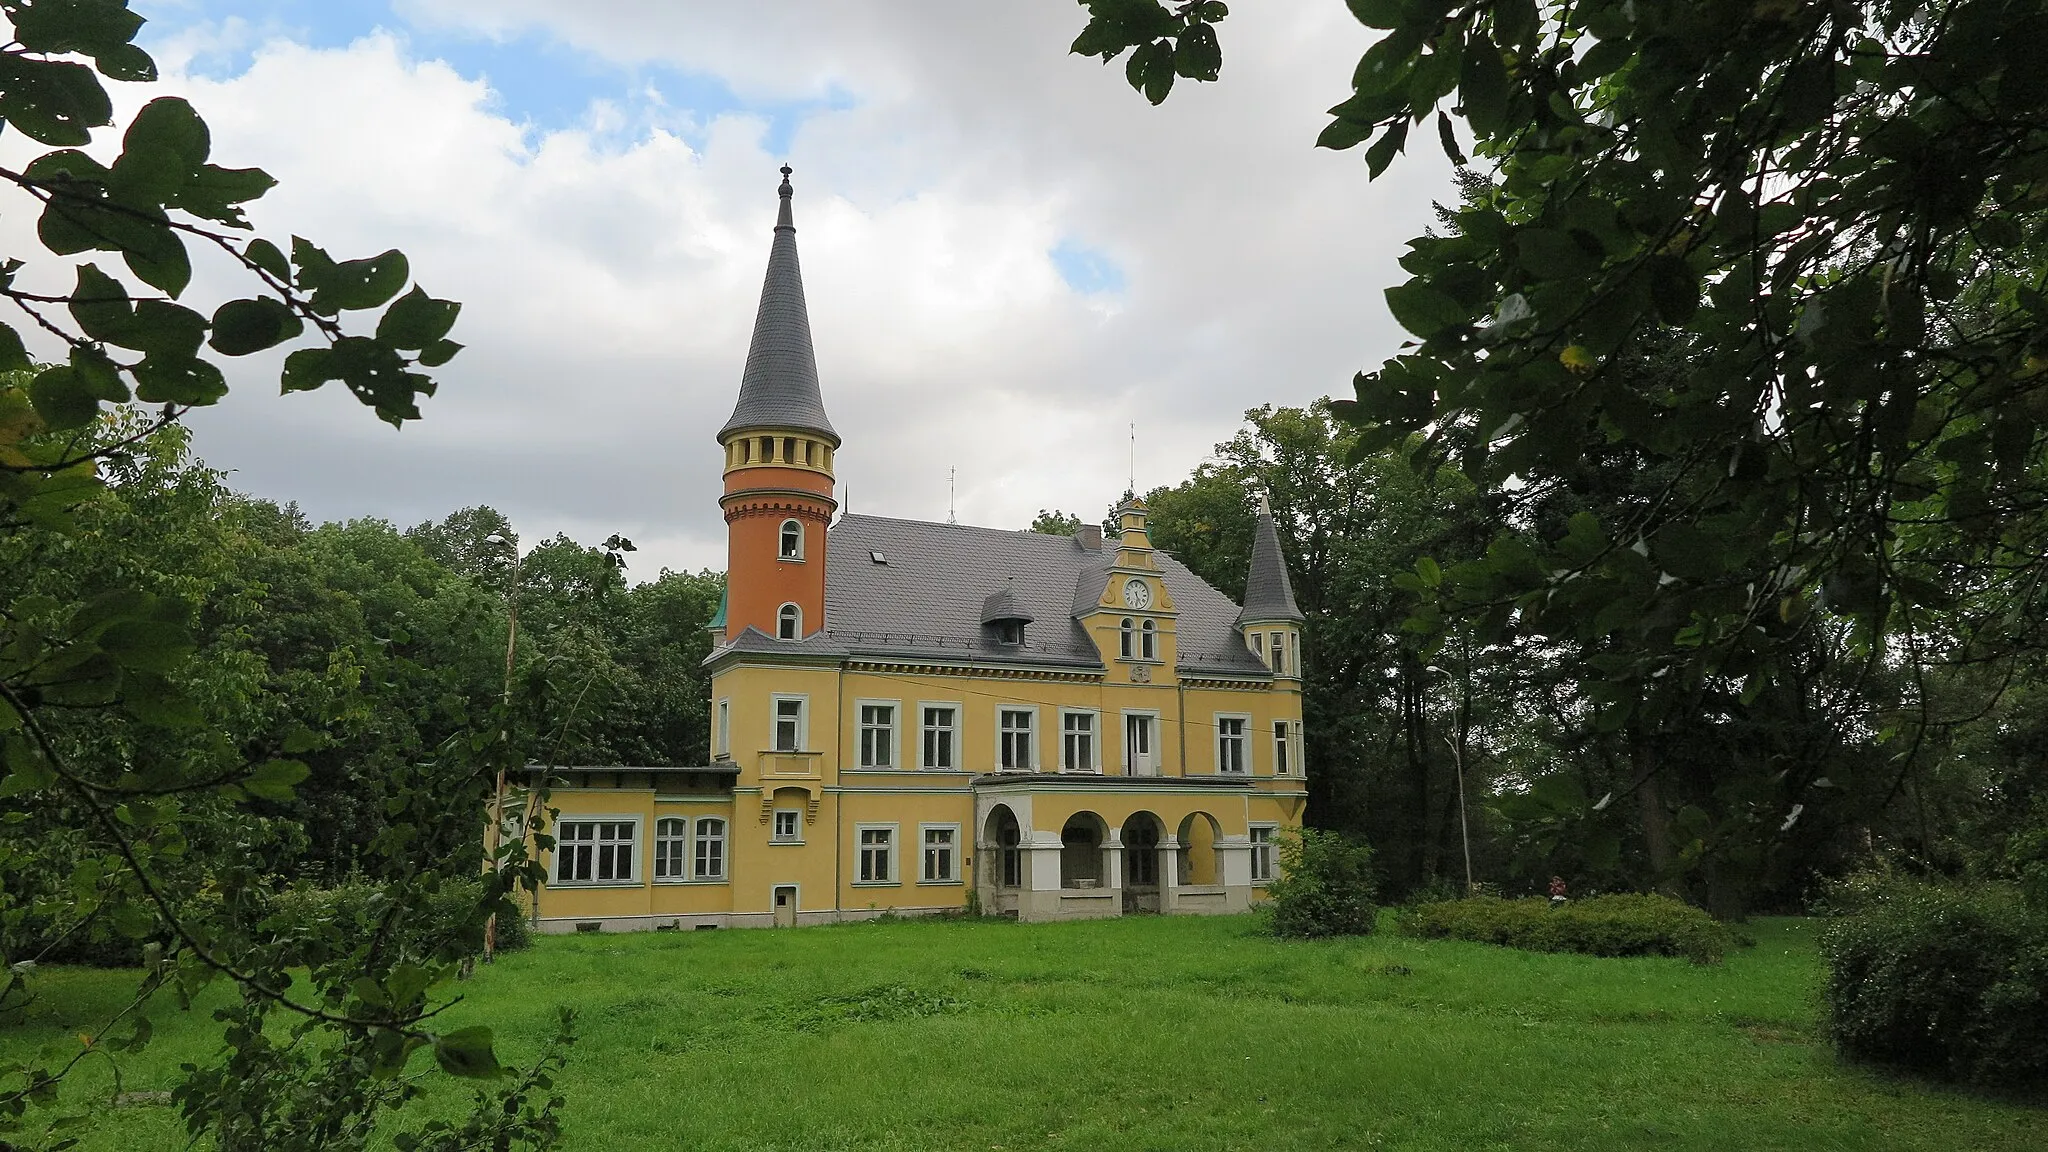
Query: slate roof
[[1000, 604], [928, 600], [779, 388], [1268, 594]]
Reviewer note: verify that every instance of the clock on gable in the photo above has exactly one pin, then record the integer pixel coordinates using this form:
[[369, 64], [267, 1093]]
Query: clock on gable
[[1137, 593]]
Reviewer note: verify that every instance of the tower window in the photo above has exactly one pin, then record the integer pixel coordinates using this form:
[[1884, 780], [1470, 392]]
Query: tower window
[[767, 449], [1151, 635], [1124, 632], [792, 540], [746, 447], [789, 449], [789, 623]]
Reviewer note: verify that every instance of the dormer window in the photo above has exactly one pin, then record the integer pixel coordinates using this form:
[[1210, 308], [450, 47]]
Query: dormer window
[[1010, 631], [792, 540], [789, 623], [1004, 616]]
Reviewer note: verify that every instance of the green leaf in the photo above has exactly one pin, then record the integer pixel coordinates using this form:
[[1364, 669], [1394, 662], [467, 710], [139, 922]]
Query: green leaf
[[172, 379], [306, 370], [416, 320], [52, 101], [87, 28], [1384, 149], [151, 250], [1377, 13], [1449, 139], [150, 645], [241, 327], [214, 193], [169, 123], [1150, 70], [100, 304], [127, 62], [1198, 56], [467, 1052], [1341, 134], [1483, 87], [265, 255], [438, 353], [101, 375], [351, 285], [1424, 310], [275, 780], [146, 173], [13, 355], [163, 328], [63, 398]]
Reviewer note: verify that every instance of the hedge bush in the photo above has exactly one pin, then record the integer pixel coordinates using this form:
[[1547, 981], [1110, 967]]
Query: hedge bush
[[356, 905], [1947, 980], [1325, 886], [1622, 925]]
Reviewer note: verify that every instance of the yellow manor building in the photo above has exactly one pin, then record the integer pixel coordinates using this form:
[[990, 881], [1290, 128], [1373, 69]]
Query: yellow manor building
[[912, 717]]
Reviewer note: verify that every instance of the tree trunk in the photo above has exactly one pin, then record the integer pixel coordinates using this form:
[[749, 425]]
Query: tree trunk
[[1656, 820]]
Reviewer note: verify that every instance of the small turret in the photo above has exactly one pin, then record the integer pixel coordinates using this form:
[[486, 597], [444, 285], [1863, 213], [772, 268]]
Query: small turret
[[1270, 620]]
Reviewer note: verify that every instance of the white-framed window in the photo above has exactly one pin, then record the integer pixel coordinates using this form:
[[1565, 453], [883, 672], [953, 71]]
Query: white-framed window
[[877, 736], [1077, 742], [789, 622], [938, 735], [877, 846], [1014, 752], [788, 826], [1279, 660], [1124, 638], [1262, 836], [710, 864], [1150, 634], [596, 850], [1283, 748], [941, 863], [721, 732], [1259, 645], [1232, 753], [792, 547], [671, 848], [792, 723]]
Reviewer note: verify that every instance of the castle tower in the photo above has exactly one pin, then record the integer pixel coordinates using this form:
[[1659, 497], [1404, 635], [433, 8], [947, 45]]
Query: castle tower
[[778, 462], [1271, 621]]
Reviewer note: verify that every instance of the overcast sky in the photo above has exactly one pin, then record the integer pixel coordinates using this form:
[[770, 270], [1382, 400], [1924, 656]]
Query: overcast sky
[[1010, 257]]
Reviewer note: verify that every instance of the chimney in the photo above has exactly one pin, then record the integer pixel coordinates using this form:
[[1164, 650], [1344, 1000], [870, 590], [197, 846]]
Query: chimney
[[1090, 537]]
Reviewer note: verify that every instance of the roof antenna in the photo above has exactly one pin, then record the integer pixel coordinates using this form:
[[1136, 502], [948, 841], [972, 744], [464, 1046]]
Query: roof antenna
[[951, 518], [1132, 490]]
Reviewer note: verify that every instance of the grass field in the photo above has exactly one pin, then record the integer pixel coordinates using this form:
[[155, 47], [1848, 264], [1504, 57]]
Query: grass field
[[1150, 1033]]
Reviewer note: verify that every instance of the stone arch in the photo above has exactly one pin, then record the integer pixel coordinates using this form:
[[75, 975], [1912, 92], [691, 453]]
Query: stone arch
[[1140, 839], [1004, 836], [1199, 862], [1081, 854]]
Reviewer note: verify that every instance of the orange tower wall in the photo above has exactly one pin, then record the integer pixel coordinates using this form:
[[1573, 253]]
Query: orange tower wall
[[758, 581]]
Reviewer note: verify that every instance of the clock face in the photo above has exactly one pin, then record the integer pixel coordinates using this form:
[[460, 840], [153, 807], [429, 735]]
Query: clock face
[[1137, 593]]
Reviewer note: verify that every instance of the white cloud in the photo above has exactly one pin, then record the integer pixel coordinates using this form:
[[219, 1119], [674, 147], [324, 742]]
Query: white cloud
[[609, 271]]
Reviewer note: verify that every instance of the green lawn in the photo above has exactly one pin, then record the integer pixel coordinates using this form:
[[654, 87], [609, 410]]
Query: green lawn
[[1151, 1033]]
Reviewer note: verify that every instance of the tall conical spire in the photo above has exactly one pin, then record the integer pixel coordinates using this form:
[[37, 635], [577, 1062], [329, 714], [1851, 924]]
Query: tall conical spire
[[1268, 594], [780, 386]]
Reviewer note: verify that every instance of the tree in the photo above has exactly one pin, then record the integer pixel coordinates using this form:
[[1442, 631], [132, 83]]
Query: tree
[[1831, 217], [1055, 523], [359, 1002]]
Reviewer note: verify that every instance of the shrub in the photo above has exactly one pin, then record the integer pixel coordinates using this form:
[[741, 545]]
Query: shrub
[[357, 905], [1623, 925], [1948, 980], [1325, 886]]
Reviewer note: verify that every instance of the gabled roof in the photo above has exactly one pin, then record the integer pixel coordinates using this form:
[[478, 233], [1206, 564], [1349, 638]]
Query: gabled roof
[[780, 386], [928, 600], [1268, 594]]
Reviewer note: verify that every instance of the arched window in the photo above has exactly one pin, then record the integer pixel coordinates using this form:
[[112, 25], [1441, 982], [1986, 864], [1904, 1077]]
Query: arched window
[[789, 623], [1151, 637], [792, 540], [710, 849], [1125, 632], [671, 848]]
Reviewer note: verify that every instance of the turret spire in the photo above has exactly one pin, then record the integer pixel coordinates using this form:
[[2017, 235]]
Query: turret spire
[[1268, 594], [780, 386]]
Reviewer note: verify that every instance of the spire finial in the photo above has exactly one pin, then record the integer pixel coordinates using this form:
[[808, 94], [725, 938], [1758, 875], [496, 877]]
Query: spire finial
[[785, 189], [1265, 505]]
